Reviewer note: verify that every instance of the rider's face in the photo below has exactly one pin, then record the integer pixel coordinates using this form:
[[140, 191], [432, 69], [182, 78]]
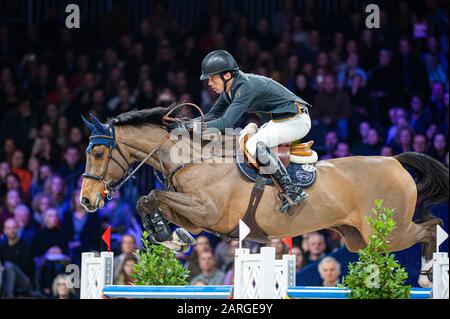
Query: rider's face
[[215, 83]]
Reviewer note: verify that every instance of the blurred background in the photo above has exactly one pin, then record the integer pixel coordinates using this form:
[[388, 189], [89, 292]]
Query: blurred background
[[374, 92]]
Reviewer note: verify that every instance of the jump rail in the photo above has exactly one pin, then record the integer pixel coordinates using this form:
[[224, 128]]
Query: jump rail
[[256, 276]]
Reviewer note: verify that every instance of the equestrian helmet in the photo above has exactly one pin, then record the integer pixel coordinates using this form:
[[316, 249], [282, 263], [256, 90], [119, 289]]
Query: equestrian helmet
[[217, 62]]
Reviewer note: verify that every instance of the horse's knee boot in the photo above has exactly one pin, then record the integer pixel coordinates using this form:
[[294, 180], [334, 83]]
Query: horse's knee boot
[[158, 226]]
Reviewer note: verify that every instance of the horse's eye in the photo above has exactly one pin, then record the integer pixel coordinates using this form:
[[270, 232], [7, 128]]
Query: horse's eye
[[98, 155]]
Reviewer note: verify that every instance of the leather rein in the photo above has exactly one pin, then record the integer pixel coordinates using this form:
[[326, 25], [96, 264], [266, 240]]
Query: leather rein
[[111, 187]]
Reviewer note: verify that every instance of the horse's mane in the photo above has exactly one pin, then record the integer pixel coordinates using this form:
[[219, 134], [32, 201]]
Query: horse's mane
[[139, 117]]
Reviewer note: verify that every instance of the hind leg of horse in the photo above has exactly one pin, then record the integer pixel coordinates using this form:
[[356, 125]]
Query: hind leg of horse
[[352, 237], [428, 248]]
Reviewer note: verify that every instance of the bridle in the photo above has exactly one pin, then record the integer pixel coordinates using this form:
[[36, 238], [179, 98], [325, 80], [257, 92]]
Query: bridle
[[111, 187]]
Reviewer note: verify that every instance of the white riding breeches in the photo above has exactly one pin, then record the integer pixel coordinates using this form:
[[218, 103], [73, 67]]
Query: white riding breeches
[[277, 132]]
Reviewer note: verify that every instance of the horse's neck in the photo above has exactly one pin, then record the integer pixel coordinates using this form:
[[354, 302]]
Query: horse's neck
[[138, 142]]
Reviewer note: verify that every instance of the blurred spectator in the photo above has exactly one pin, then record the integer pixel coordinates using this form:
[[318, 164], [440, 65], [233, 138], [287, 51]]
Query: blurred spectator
[[419, 143], [12, 201], [439, 148], [40, 203], [72, 167], [127, 248], [342, 150], [127, 270], [228, 268], [329, 270], [403, 140], [280, 247], [56, 189], [81, 229], [15, 256], [27, 229], [49, 251], [420, 118], [299, 258], [316, 247], [192, 261], [209, 273], [38, 183], [331, 141], [61, 290], [17, 167], [332, 106]]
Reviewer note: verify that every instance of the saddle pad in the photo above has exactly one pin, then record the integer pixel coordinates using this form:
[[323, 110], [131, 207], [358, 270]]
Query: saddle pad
[[302, 174]]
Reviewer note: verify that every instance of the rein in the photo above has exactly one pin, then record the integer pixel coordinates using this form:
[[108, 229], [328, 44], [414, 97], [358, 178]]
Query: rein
[[111, 187]]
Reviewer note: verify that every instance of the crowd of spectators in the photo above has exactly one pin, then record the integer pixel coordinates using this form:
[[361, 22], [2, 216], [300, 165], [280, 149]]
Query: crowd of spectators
[[374, 92]]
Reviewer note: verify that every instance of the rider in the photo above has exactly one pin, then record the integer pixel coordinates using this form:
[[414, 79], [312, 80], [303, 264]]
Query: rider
[[285, 115]]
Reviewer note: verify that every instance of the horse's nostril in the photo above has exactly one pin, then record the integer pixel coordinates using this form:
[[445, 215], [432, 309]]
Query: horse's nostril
[[85, 201]]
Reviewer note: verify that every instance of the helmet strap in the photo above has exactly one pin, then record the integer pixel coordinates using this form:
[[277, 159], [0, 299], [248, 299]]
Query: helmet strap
[[225, 82]]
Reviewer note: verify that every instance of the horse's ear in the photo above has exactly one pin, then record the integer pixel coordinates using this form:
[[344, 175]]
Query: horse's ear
[[99, 125], [88, 124]]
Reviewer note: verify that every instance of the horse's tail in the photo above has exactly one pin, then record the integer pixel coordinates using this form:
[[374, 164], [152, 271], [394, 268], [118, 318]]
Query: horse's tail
[[432, 176]]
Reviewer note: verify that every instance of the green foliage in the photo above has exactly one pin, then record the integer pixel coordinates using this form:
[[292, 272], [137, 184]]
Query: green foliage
[[377, 275], [157, 265]]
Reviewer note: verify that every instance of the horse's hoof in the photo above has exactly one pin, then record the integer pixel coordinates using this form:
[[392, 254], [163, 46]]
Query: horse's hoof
[[185, 237]]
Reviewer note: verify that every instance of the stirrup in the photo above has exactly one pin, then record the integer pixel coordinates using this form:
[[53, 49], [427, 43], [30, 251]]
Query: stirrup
[[288, 202]]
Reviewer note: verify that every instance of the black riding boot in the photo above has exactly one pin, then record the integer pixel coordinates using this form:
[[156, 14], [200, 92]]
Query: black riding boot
[[157, 226], [274, 167]]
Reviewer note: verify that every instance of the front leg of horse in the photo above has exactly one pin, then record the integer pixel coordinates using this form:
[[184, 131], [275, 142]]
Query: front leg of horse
[[157, 225]]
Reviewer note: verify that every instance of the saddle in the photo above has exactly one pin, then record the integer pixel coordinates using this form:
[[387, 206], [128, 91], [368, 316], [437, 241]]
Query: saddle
[[302, 171]]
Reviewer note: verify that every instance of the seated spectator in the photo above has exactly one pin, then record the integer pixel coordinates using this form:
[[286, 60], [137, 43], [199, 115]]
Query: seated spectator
[[72, 167], [280, 248], [209, 273], [331, 141], [49, 251], [27, 229], [127, 248], [386, 151], [419, 143], [420, 118], [361, 141], [299, 258], [38, 183], [222, 255], [439, 148], [40, 203], [373, 145], [17, 167], [12, 200], [342, 150], [333, 107], [229, 270], [81, 229], [61, 290], [403, 140], [192, 261], [127, 270], [329, 270], [15, 256], [57, 190], [5, 169], [316, 247]]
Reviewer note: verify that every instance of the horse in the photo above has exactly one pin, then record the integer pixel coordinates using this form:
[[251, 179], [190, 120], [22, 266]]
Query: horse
[[212, 195]]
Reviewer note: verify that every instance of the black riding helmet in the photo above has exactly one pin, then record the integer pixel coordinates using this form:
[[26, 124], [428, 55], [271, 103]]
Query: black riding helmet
[[218, 62]]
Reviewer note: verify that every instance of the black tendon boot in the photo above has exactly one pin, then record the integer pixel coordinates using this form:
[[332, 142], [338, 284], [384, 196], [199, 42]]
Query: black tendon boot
[[157, 226], [273, 166]]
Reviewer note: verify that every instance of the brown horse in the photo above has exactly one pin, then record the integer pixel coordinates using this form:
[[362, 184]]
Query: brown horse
[[214, 196]]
